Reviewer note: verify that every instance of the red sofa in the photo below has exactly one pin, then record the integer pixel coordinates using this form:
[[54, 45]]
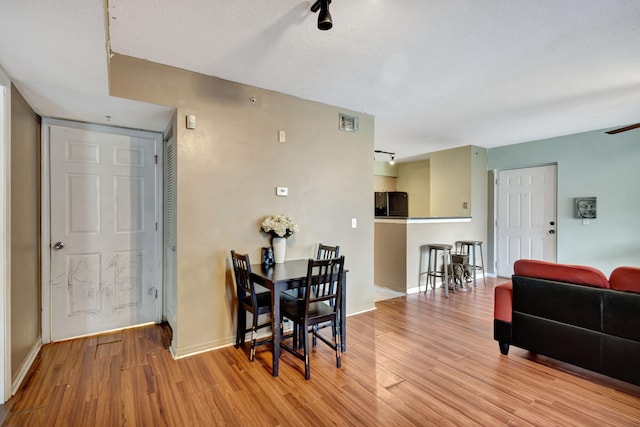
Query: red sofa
[[573, 313]]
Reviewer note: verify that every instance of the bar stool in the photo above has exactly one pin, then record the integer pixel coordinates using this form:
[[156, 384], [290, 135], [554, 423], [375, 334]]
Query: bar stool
[[432, 272], [468, 247]]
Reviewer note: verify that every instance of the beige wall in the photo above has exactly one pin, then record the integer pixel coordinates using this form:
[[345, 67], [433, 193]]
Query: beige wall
[[25, 231], [228, 170], [390, 255], [451, 182], [384, 168], [414, 178], [383, 183]]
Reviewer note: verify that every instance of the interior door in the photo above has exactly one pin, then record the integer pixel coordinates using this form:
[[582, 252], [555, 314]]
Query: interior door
[[103, 232], [526, 223]]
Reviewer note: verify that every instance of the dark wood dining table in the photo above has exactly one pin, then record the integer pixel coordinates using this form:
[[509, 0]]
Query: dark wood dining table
[[291, 275]]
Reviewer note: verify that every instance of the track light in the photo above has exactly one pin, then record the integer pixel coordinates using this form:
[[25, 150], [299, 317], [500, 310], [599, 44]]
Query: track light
[[324, 18], [392, 156]]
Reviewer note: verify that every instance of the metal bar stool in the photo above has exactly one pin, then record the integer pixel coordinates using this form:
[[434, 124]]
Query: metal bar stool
[[432, 272], [469, 247]]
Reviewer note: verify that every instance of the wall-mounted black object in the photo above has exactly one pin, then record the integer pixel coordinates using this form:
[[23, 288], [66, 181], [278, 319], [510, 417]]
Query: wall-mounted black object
[[585, 207]]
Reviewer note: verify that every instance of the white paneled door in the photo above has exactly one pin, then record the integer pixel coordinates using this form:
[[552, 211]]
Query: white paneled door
[[103, 232], [526, 223]]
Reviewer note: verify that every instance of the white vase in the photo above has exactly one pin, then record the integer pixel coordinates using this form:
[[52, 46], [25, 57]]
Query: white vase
[[279, 249]]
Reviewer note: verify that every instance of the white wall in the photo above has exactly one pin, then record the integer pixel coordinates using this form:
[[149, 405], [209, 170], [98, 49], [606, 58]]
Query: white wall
[[5, 235]]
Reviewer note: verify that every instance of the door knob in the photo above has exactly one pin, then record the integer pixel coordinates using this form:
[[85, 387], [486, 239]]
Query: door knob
[[552, 231], [58, 245]]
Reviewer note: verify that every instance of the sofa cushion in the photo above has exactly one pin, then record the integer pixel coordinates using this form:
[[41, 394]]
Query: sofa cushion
[[503, 299], [621, 314], [577, 274], [625, 279]]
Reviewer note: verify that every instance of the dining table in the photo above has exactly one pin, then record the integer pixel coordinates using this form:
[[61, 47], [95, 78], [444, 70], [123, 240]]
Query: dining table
[[291, 274]]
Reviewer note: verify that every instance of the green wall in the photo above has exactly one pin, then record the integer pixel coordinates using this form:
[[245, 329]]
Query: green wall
[[589, 164]]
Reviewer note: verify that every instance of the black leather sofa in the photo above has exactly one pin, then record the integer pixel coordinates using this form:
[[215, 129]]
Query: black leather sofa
[[573, 314]]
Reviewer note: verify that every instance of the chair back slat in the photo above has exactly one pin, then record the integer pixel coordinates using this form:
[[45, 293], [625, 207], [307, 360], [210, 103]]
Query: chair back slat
[[324, 282], [242, 273], [327, 252]]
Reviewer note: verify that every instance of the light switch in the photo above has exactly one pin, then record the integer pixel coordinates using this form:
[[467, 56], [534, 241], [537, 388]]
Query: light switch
[[354, 222], [282, 191], [191, 121], [282, 137]]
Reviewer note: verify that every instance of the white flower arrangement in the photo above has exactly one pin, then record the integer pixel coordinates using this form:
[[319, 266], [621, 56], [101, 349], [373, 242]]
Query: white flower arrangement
[[279, 226]]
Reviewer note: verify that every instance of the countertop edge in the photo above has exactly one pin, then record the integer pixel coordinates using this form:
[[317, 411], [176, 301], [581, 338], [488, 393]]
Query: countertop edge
[[433, 220]]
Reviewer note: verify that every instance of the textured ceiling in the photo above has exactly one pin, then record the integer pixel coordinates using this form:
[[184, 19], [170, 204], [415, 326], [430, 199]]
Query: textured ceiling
[[434, 74]]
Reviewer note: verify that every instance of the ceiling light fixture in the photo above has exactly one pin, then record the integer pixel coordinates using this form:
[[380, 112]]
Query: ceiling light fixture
[[324, 18], [392, 156]]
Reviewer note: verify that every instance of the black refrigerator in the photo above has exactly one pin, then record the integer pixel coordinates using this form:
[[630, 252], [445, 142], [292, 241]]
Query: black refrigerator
[[391, 203]]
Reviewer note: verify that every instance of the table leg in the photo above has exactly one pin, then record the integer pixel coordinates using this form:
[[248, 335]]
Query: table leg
[[275, 327]]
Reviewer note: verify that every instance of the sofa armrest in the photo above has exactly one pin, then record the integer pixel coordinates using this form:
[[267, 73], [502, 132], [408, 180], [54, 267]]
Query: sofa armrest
[[625, 279], [503, 302], [503, 299]]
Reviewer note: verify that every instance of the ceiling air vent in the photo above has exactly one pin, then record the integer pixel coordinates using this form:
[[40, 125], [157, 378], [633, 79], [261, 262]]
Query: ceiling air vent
[[348, 123]]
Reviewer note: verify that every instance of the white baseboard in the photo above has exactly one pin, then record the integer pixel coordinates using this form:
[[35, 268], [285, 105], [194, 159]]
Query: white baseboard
[[362, 309], [200, 348], [25, 366]]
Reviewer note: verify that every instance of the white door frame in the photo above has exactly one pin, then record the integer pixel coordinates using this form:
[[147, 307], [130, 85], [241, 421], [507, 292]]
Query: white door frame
[[47, 123], [5, 237]]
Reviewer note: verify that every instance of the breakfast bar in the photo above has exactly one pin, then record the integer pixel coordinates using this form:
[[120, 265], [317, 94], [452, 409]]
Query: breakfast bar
[[398, 242]]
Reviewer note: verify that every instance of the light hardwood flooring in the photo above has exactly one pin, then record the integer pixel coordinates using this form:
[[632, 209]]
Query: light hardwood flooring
[[416, 360]]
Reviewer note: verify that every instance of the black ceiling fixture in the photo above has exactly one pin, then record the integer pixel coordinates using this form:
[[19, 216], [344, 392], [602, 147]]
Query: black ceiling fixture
[[324, 18], [624, 129], [392, 156]]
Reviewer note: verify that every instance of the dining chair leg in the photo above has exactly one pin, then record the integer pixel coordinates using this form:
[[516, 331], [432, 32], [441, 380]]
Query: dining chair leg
[[336, 340], [254, 327], [305, 345], [314, 335], [241, 328], [281, 327], [252, 355]]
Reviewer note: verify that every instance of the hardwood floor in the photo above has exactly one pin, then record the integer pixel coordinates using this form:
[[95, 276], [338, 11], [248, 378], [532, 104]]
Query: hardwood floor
[[416, 360]]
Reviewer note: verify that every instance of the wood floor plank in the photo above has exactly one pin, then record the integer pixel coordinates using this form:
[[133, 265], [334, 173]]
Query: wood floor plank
[[420, 359]]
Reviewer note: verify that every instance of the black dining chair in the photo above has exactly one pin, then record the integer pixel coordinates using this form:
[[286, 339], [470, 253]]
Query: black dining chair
[[324, 252], [320, 304], [249, 301]]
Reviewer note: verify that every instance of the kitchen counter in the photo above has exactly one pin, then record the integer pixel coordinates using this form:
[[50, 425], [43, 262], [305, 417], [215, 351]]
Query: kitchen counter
[[399, 241], [421, 220]]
